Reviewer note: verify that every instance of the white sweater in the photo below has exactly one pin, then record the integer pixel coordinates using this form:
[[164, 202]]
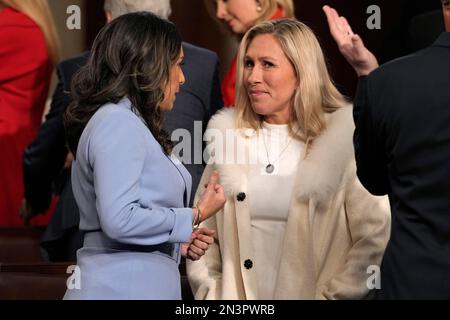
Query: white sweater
[[269, 199]]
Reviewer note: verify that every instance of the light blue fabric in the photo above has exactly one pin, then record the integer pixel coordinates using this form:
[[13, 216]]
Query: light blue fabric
[[126, 186]]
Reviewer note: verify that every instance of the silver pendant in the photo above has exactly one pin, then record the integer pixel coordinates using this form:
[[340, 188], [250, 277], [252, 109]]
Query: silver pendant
[[270, 168]]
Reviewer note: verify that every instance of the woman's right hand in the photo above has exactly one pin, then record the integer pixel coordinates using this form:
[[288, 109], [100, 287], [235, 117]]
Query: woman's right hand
[[213, 197], [350, 45]]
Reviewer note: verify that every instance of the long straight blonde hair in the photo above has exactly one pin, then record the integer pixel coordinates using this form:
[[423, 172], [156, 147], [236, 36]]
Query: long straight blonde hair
[[39, 11], [315, 94]]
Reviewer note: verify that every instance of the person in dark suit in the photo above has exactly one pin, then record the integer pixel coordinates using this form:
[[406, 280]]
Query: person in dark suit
[[424, 29], [402, 148], [46, 171], [44, 159]]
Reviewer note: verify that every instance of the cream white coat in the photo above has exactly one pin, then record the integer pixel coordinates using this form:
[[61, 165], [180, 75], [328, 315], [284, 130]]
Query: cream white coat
[[335, 230]]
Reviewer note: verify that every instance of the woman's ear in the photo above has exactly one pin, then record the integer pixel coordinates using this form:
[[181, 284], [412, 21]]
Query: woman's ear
[[108, 16], [258, 5]]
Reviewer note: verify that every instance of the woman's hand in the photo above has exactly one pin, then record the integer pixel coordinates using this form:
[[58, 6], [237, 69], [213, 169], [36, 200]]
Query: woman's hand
[[350, 45], [200, 240], [213, 197]]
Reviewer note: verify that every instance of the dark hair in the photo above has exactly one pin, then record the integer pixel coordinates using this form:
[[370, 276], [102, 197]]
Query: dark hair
[[131, 56]]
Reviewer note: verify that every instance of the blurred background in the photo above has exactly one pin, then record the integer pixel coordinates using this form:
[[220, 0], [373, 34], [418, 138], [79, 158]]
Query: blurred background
[[406, 26]]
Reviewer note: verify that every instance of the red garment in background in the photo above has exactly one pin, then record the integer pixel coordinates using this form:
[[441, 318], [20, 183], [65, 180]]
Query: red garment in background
[[229, 81], [25, 74]]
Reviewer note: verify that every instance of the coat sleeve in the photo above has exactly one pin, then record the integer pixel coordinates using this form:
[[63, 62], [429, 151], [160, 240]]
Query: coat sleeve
[[369, 141], [368, 219], [44, 158], [205, 275], [118, 160]]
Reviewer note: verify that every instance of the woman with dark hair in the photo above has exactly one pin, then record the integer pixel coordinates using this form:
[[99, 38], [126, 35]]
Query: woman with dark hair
[[132, 194]]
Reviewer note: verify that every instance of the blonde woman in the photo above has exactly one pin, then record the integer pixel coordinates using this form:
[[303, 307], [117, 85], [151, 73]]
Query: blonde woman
[[297, 223], [28, 51], [238, 16]]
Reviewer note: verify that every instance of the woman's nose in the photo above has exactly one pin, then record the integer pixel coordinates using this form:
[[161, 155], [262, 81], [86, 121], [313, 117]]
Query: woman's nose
[[221, 10]]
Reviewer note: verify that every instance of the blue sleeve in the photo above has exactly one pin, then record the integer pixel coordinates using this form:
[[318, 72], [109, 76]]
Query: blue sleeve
[[117, 156]]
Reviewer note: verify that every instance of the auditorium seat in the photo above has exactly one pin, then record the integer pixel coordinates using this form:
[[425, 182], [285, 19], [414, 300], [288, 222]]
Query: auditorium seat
[[24, 274], [33, 281], [19, 245]]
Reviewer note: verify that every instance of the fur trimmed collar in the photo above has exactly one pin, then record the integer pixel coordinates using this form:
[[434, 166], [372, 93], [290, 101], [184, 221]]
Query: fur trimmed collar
[[323, 170]]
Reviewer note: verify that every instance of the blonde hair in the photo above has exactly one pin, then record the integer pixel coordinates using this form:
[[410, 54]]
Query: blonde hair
[[315, 94], [39, 11], [268, 8]]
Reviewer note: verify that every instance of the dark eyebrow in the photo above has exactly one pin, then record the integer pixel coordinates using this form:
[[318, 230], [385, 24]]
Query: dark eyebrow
[[267, 58], [261, 58]]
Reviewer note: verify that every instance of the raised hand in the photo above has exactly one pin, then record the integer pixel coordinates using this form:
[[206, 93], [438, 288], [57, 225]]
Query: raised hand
[[350, 45], [213, 197]]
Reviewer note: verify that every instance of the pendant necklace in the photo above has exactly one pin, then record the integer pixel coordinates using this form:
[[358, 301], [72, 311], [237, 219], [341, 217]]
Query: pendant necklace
[[270, 167]]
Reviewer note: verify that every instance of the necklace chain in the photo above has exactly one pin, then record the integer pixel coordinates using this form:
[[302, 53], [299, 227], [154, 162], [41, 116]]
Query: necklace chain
[[270, 167]]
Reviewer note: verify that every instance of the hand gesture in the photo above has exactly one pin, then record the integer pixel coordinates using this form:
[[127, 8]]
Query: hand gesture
[[213, 197], [200, 241], [350, 45]]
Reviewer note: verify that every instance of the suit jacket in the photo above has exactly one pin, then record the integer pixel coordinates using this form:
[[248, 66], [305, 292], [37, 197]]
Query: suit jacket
[[424, 29], [129, 193], [402, 146], [198, 99]]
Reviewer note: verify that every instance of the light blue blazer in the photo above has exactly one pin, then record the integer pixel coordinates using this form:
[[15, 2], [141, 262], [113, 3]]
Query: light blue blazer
[[129, 193]]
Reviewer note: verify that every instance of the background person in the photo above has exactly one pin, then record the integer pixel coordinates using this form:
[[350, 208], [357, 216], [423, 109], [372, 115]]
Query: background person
[[401, 114], [238, 16], [28, 51]]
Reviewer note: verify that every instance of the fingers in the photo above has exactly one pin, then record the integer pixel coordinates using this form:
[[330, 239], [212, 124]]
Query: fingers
[[339, 28], [213, 178], [204, 237], [331, 18], [218, 188], [198, 250], [346, 26], [204, 231], [203, 245], [193, 256], [208, 240]]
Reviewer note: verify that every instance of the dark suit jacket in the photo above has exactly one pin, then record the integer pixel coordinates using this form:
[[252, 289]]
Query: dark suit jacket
[[424, 29], [43, 160], [402, 146]]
